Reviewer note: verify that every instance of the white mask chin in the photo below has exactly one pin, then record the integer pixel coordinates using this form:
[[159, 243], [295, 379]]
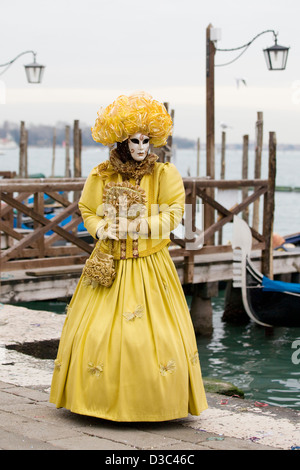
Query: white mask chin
[[138, 145]]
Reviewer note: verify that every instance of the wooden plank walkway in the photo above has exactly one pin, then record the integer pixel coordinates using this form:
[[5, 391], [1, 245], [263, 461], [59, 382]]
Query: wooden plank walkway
[[60, 281], [35, 250]]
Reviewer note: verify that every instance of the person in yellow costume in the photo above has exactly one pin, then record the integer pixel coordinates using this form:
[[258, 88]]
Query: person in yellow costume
[[128, 350]]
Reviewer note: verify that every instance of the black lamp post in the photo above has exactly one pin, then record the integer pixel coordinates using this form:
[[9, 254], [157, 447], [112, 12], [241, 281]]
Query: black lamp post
[[34, 71], [276, 58]]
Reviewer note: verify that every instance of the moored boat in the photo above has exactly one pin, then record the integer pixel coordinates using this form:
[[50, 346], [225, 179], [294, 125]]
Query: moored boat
[[267, 302]]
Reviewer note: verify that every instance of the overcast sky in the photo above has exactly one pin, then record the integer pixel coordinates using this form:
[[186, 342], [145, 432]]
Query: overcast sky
[[95, 50]]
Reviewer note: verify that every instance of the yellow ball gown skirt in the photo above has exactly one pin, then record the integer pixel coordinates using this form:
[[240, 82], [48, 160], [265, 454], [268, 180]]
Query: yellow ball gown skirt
[[128, 352]]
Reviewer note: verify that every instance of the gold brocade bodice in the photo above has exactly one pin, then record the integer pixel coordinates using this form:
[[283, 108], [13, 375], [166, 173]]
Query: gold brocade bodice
[[164, 200]]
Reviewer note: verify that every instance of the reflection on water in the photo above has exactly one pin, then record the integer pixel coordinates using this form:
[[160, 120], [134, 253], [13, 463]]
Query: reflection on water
[[259, 364]]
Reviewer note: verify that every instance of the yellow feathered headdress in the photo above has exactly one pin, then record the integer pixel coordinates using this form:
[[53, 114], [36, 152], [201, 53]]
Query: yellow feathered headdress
[[130, 114]]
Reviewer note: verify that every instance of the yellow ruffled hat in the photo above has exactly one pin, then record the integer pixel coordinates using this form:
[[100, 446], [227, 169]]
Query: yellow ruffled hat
[[127, 115]]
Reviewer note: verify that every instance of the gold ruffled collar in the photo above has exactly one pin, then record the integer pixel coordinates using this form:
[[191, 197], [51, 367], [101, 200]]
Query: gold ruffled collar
[[130, 169]]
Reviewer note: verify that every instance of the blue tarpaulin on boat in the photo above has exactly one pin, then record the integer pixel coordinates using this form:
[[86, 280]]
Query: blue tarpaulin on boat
[[293, 239], [279, 286]]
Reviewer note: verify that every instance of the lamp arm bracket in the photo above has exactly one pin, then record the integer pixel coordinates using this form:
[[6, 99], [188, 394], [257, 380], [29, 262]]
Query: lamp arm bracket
[[19, 55], [250, 42]]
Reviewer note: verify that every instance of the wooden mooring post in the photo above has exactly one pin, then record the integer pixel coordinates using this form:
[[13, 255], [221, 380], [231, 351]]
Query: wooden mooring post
[[23, 155], [269, 207], [201, 307], [67, 149], [53, 153], [165, 153], [245, 174], [222, 175], [209, 217], [234, 311], [198, 156], [257, 168], [223, 152], [77, 154]]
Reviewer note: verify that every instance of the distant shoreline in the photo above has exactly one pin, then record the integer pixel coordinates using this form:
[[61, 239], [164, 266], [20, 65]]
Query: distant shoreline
[[281, 147], [42, 136], [191, 146]]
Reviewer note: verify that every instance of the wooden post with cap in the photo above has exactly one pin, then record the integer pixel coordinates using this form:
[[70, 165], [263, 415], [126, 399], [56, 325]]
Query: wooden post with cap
[[210, 127]]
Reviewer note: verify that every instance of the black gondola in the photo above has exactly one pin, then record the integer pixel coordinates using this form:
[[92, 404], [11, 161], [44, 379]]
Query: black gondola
[[267, 302]]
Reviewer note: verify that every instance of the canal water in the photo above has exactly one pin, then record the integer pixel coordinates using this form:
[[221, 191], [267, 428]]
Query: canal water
[[265, 367]]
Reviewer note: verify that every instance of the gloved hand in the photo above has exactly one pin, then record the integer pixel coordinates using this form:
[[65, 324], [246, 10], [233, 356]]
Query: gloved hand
[[138, 227], [108, 230], [122, 227], [143, 228]]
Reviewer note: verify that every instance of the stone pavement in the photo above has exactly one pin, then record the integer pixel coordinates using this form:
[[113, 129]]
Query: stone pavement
[[29, 421]]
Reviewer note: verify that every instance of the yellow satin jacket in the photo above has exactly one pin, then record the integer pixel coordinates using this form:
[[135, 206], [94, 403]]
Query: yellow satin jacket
[[165, 199]]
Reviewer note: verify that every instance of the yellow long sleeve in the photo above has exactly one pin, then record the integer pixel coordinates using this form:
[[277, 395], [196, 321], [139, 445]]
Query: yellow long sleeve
[[165, 207], [171, 199], [91, 198]]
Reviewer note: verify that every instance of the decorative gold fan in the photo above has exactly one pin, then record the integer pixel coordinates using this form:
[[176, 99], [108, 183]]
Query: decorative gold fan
[[124, 200], [119, 200]]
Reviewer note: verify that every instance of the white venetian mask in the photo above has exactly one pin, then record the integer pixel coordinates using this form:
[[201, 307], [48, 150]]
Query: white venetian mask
[[138, 145]]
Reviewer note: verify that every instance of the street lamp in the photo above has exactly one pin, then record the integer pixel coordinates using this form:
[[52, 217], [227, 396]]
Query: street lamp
[[34, 71], [276, 58]]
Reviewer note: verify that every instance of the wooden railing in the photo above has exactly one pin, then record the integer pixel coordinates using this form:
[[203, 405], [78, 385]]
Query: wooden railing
[[7, 174], [31, 248], [199, 189]]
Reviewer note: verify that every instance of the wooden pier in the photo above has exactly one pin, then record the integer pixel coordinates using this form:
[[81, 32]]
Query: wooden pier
[[36, 265]]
